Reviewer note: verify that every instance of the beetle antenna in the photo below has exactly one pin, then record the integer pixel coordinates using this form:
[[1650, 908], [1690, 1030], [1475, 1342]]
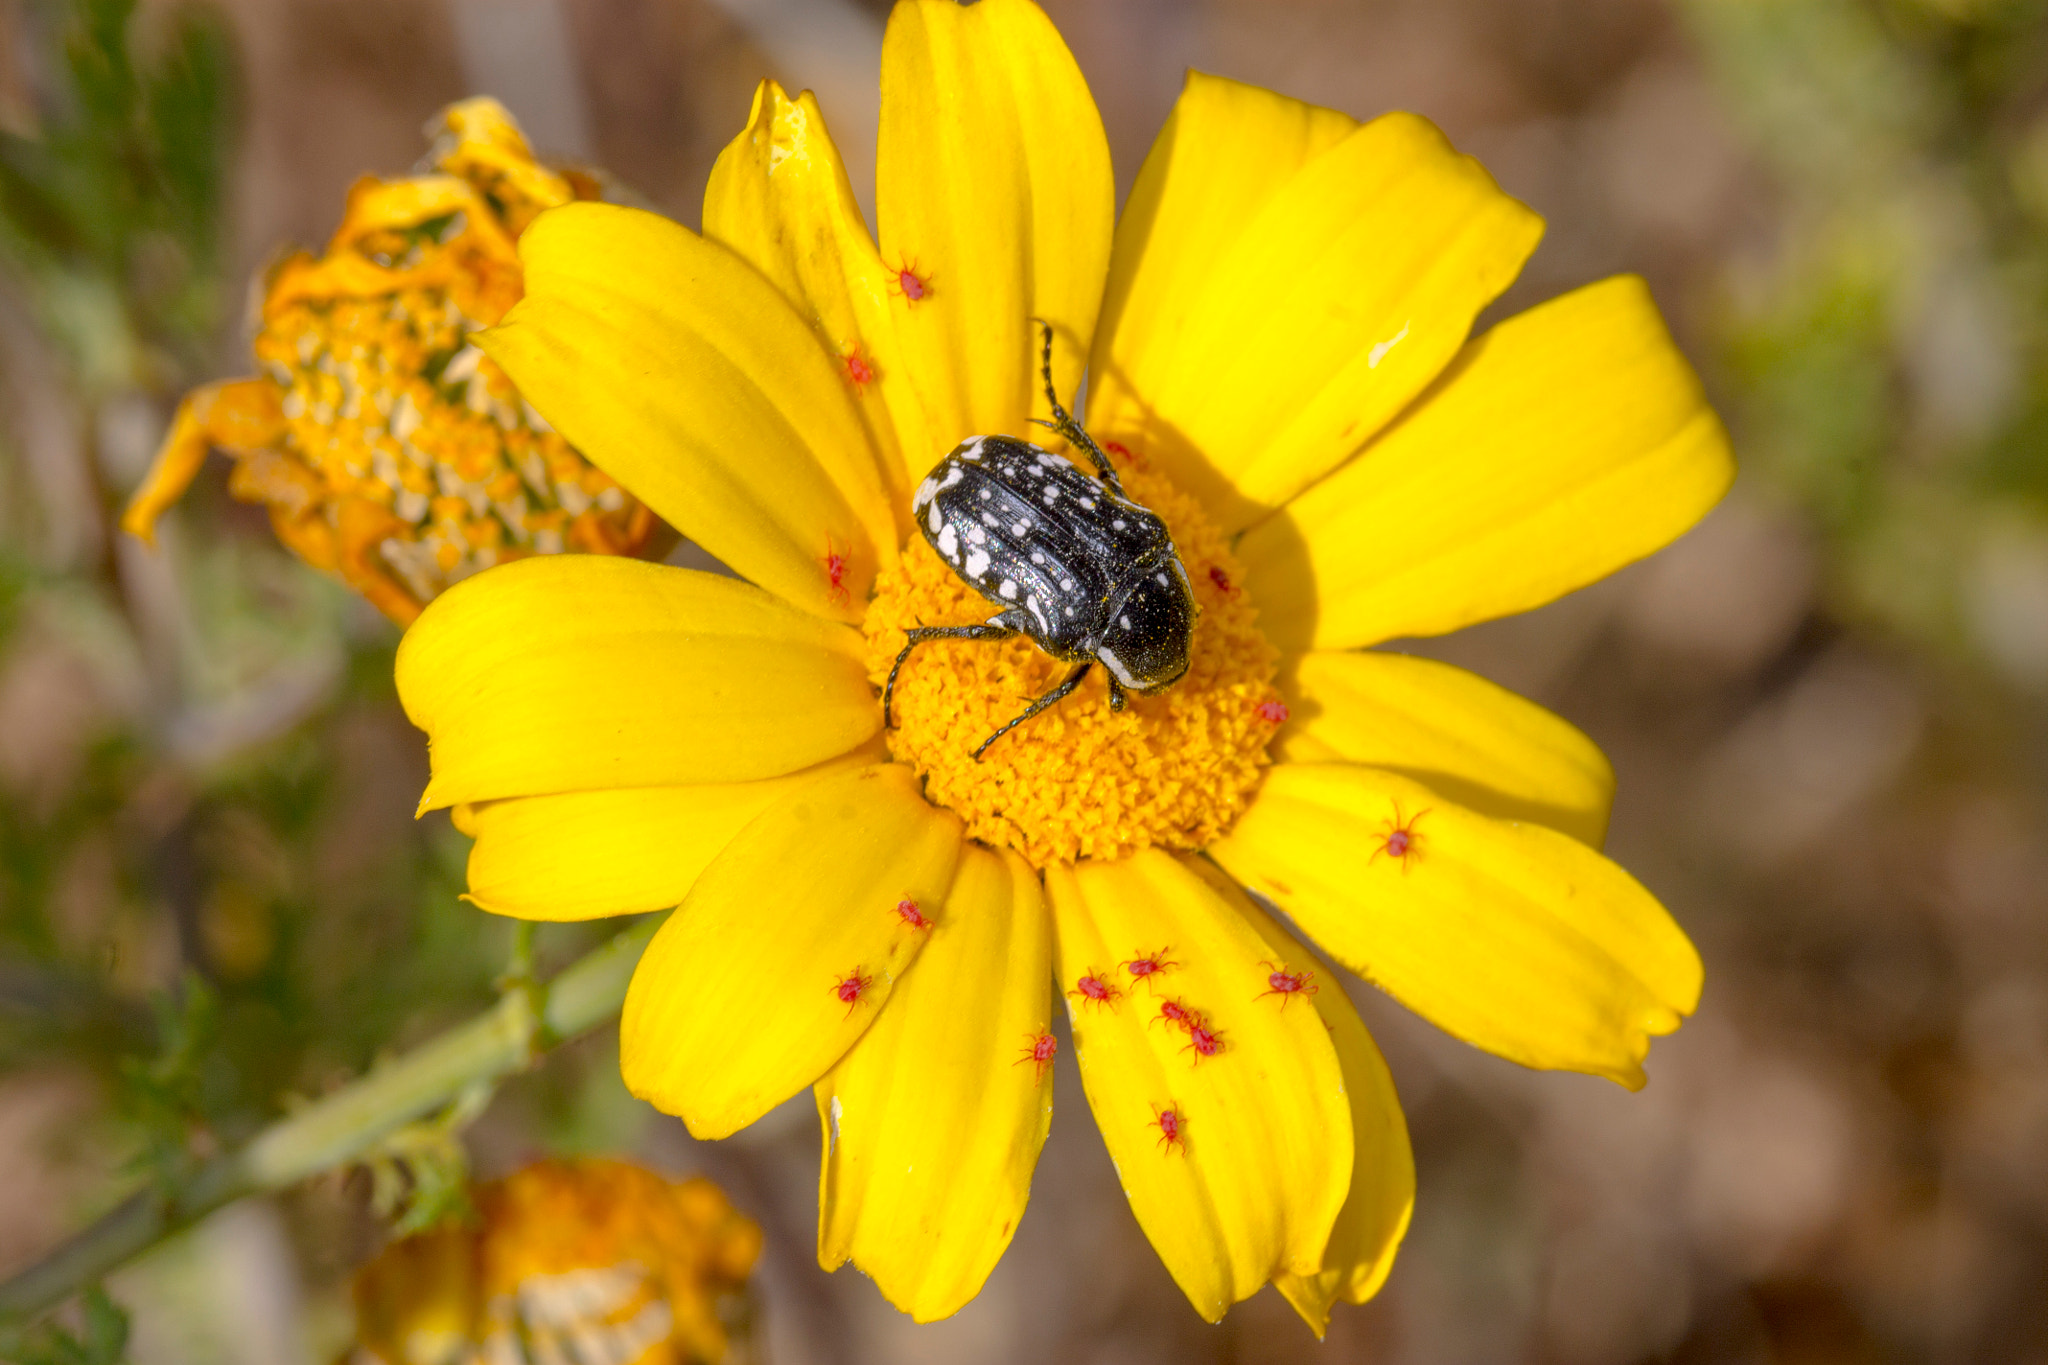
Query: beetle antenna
[[1064, 423]]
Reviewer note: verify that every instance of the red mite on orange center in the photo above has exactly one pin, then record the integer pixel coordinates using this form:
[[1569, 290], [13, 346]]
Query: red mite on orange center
[[1273, 712]]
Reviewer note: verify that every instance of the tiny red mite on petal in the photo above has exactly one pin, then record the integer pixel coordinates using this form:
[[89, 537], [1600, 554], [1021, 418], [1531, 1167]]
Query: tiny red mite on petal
[[1286, 984], [1203, 1041], [1172, 1125], [907, 910], [1092, 989], [1149, 966], [1398, 838], [912, 286], [858, 370], [1273, 712], [851, 987], [835, 574], [1040, 1051], [1221, 580]]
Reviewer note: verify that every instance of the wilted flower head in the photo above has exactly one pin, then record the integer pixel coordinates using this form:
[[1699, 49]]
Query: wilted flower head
[[388, 448], [568, 1260]]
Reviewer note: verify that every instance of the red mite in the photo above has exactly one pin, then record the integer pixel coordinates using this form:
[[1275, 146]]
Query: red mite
[[1042, 1048], [1398, 842], [858, 370], [1273, 712], [1171, 1124], [911, 915], [1286, 984], [1093, 990], [1177, 1014], [911, 285], [835, 574], [1118, 448], [1203, 1041], [1221, 580], [1149, 966], [850, 987]]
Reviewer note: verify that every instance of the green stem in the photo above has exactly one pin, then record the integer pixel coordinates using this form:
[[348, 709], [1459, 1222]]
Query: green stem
[[343, 1125]]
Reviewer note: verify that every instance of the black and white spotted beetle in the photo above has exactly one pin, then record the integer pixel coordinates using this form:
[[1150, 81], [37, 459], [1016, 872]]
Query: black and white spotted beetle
[[1087, 574]]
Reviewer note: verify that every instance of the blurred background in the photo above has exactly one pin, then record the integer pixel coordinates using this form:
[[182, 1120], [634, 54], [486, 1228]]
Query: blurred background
[[1825, 704]]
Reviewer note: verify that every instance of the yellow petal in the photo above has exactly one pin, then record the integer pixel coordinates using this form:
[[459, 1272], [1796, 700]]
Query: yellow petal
[[1453, 731], [934, 1120], [690, 379], [1382, 1197], [1283, 285], [587, 672], [1563, 444], [1516, 938], [993, 189], [1262, 1162], [241, 414], [584, 855], [738, 1004], [780, 198]]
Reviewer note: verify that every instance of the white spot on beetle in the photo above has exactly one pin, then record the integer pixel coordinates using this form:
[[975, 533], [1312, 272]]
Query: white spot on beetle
[[1022, 528], [935, 521], [1162, 580], [925, 491], [1117, 525], [953, 475], [1088, 503], [1037, 557], [1008, 591], [1116, 666], [976, 536], [1124, 621], [1066, 585], [977, 563], [949, 543], [1052, 495], [985, 495]]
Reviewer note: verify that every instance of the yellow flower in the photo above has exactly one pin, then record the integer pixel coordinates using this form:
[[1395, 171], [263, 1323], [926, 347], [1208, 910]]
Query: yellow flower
[[612, 1261], [387, 447], [1282, 354]]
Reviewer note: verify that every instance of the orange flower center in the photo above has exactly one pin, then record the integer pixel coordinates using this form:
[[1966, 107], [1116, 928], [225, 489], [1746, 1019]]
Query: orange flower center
[[1080, 780]]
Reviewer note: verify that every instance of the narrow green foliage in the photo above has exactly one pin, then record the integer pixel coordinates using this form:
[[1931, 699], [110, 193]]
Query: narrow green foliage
[[101, 1337], [111, 213], [164, 1096]]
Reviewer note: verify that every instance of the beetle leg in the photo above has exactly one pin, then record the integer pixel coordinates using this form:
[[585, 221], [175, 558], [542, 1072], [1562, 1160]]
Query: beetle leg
[[1073, 681], [917, 635], [1116, 692], [1064, 423]]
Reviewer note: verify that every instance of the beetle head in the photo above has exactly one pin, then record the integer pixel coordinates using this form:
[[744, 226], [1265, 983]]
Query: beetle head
[[1150, 629]]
